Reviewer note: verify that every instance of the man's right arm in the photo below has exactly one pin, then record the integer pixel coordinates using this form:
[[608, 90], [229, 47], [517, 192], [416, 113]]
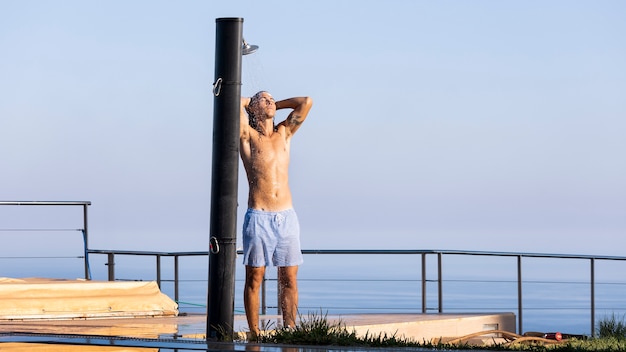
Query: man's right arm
[[244, 123]]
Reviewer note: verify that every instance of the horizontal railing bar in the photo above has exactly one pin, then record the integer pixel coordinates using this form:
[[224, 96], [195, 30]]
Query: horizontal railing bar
[[460, 252], [354, 280], [4, 202], [36, 257], [163, 254], [39, 230], [383, 251]]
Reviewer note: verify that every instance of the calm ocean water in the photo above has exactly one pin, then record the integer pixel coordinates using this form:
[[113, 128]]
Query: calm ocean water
[[556, 294]]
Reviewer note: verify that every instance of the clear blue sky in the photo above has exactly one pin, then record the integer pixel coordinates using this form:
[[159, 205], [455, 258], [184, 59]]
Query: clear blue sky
[[479, 125]]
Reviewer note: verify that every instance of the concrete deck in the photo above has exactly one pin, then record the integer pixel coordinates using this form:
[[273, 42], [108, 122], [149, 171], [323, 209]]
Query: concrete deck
[[415, 326]]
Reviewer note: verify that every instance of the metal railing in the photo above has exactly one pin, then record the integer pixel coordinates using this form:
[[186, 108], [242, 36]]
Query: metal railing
[[423, 253]]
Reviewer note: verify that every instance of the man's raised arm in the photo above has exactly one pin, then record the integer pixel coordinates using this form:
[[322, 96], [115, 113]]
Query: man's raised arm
[[243, 118], [300, 106]]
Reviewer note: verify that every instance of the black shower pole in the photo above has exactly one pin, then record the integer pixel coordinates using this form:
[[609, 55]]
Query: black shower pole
[[225, 163]]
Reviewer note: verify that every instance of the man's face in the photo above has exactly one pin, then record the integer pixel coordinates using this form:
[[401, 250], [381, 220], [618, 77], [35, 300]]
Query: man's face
[[265, 105]]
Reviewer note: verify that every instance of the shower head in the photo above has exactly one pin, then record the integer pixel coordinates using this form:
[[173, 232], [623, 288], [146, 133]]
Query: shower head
[[247, 48]]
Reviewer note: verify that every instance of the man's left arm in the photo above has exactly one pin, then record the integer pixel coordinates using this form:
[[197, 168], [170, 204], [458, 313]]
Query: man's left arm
[[301, 107]]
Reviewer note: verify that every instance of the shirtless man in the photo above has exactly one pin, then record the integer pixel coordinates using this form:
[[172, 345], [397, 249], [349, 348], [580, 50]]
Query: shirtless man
[[271, 232]]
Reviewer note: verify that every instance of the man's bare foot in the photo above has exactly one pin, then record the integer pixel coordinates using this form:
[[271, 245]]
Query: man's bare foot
[[252, 336]]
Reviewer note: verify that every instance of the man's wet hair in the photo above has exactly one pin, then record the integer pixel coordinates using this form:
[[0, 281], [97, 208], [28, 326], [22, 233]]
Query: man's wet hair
[[254, 100]]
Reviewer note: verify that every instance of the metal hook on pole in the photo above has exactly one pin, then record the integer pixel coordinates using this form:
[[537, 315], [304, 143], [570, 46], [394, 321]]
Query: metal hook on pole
[[214, 245], [217, 87]]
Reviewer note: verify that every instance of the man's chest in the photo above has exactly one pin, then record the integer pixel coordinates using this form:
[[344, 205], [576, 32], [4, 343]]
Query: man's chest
[[269, 147]]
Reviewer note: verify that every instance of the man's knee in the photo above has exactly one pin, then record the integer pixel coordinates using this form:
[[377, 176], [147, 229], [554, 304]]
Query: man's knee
[[288, 276], [254, 276]]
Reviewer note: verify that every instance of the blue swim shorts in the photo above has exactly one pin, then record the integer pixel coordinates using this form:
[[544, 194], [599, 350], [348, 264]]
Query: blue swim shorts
[[271, 238]]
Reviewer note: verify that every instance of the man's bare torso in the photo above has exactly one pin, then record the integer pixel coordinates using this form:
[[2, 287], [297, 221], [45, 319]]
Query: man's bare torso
[[266, 160], [264, 148]]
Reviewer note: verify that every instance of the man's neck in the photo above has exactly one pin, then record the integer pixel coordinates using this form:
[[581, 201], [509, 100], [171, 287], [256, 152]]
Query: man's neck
[[267, 127]]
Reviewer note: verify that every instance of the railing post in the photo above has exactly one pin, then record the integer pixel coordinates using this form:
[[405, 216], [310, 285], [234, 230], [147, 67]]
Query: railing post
[[111, 266], [519, 294], [278, 294], [176, 278], [263, 302], [439, 282], [593, 298], [86, 242], [424, 283], [158, 268]]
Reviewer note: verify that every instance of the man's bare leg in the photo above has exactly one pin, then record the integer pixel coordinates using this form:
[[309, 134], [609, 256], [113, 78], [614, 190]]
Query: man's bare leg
[[254, 278], [287, 279]]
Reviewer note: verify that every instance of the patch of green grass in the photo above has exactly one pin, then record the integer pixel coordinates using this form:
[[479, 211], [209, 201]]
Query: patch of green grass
[[612, 327], [314, 330]]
